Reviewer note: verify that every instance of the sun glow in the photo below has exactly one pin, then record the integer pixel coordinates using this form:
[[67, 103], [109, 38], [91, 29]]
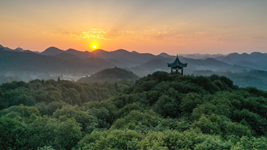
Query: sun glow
[[94, 46]]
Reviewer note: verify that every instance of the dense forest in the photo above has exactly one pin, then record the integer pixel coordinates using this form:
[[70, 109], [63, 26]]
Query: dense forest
[[159, 111], [252, 78]]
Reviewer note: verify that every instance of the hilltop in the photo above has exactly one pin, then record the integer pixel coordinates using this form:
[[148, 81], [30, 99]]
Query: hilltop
[[160, 111], [110, 75]]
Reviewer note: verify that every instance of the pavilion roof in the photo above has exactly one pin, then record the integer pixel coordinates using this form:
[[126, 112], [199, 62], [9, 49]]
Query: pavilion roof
[[177, 64]]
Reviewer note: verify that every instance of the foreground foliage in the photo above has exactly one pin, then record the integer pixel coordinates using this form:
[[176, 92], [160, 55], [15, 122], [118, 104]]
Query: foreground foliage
[[158, 112]]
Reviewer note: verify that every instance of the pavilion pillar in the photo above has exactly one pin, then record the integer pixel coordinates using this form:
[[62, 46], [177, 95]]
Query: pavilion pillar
[[171, 71], [182, 72], [176, 71]]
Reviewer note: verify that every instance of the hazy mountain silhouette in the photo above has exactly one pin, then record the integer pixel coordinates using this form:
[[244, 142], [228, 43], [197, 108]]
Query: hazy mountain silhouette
[[118, 63], [78, 53], [154, 64], [252, 65], [211, 62], [100, 53], [5, 48], [68, 56], [160, 63], [25, 61], [147, 63], [52, 51], [55, 51], [130, 58], [126, 57], [255, 57], [62, 63], [208, 63], [71, 61], [254, 60], [165, 55], [203, 56], [19, 49], [99, 63]]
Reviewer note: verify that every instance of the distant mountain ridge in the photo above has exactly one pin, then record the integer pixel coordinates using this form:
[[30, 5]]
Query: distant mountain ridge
[[193, 64], [253, 57], [203, 56], [68, 56], [131, 58], [52, 51], [255, 60], [141, 63], [27, 61], [71, 64]]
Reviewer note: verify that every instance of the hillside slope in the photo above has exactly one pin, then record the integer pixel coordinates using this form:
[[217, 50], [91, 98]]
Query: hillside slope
[[160, 111], [110, 75]]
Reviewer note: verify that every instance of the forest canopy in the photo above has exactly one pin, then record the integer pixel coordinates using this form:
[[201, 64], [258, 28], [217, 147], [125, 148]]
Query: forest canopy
[[159, 111]]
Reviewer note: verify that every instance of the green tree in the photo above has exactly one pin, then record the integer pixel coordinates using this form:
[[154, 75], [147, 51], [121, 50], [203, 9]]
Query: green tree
[[72, 96], [136, 120], [189, 102], [67, 135], [11, 133], [208, 125], [115, 139], [167, 106], [251, 143]]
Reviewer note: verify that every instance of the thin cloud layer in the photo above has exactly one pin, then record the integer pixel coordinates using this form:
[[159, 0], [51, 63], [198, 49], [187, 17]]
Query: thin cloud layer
[[154, 35]]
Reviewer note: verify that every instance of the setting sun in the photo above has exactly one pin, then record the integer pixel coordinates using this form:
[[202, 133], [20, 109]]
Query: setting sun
[[94, 46]]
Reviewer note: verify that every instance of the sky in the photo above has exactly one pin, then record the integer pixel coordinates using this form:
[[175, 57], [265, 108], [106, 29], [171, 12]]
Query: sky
[[145, 26]]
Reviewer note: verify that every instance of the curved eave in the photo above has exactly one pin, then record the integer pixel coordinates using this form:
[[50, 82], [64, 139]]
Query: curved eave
[[177, 65]]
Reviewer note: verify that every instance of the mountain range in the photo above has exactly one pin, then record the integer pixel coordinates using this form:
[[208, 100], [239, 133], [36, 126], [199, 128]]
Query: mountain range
[[207, 61], [121, 55], [73, 62], [255, 60], [124, 58]]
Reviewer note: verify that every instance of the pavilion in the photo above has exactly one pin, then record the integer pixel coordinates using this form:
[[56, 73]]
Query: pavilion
[[177, 65]]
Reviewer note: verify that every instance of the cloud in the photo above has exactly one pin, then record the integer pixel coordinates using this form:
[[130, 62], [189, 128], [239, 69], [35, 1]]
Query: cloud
[[160, 35], [259, 38], [113, 34], [200, 33], [90, 34], [155, 35]]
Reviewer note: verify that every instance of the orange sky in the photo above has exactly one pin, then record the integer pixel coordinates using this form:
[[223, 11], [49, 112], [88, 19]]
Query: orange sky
[[153, 26]]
